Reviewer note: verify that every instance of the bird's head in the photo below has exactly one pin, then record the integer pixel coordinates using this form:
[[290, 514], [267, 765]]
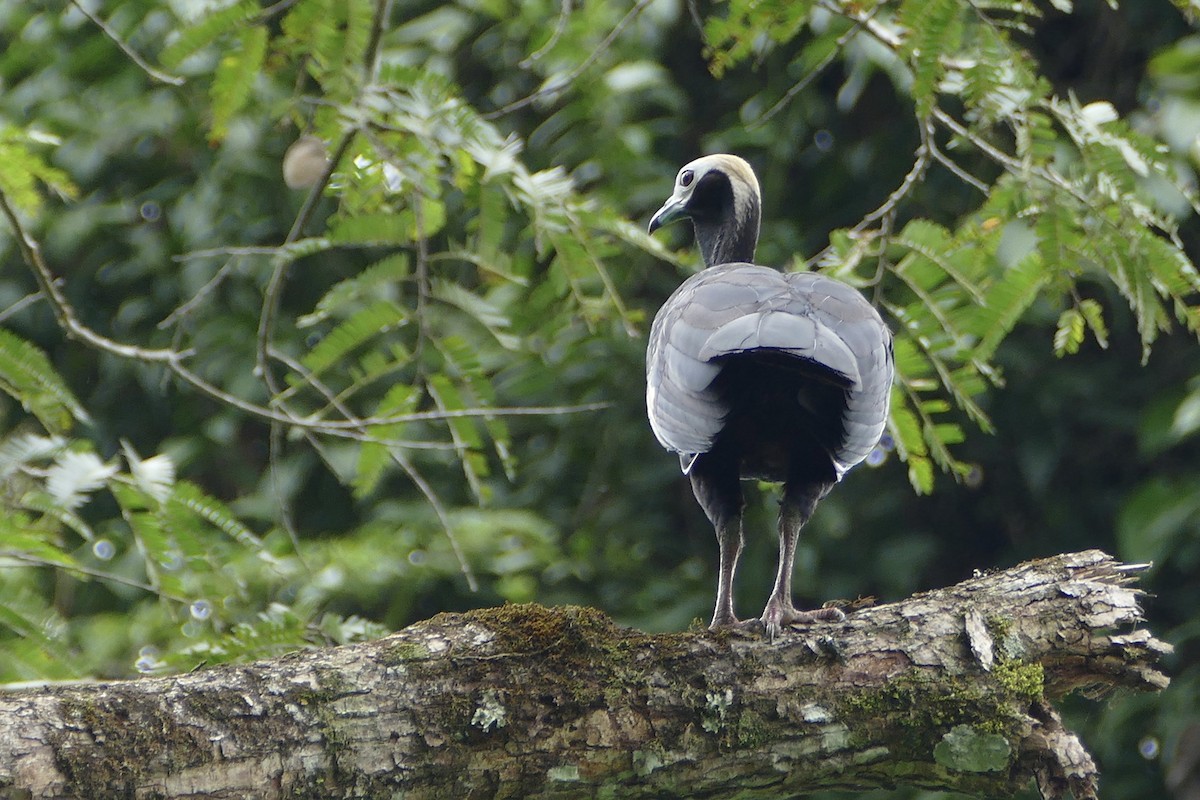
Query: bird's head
[[720, 195]]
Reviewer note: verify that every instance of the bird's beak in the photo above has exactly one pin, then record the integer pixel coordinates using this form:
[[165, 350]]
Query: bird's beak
[[672, 210]]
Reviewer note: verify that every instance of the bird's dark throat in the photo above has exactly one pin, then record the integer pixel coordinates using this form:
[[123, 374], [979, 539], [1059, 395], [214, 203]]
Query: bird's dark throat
[[720, 235]]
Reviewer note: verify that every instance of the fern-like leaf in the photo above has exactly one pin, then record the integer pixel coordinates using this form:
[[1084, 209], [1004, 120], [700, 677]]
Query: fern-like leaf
[[374, 457], [27, 375], [935, 33], [188, 495], [376, 280], [234, 79], [1068, 334], [1093, 314], [479, 309], [363, 326], [22, 169], [379, 228], [193, 38]]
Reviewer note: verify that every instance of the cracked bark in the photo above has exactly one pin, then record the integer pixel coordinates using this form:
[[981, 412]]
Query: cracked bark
[[950, 689]]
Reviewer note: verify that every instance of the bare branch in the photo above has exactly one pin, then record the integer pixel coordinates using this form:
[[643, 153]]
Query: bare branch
[[64, 312], [564, 12], [815, 72], [141, 63], [566, 80]]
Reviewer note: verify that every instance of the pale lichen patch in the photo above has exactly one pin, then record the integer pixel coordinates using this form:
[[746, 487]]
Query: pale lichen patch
[[816, 714], [716, 706], [479, 635], [980, 639], [568, 773], [490, 712]]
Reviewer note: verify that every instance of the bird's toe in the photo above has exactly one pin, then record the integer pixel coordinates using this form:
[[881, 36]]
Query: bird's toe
[[777, 616], [830, 614]]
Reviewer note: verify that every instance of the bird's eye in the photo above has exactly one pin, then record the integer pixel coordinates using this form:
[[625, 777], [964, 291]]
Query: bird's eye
[[685, 177]]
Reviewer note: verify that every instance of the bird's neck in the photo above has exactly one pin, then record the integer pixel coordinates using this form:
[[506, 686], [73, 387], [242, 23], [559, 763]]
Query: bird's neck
[[727, 241]]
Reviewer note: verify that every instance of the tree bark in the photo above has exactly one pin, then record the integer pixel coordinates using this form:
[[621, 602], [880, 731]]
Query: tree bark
[[949, 689]]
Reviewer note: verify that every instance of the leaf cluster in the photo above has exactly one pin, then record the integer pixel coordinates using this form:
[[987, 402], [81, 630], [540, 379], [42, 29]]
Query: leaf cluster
[[1069, 196]]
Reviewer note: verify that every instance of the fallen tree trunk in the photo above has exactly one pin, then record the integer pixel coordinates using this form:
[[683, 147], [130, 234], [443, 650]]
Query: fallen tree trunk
[[949, 689]]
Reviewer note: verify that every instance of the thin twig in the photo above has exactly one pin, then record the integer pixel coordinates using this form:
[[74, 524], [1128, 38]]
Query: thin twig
[[31, 253], [957, 171], [153, 72], [882, 262], [571, 76], [200, 296], [26, 558], [383, 10], [420, 416], [987, 148], [813, 73], [853, 12], [915, 175], [274, 451], [421, 270], [343, 428], [174, 360], [421, 274], [266, 322], [277, 8], [559, 27], [887, 220], [444, 518], [213, 252], [274, 290], [16, 307], [606, 280], [697, 19]]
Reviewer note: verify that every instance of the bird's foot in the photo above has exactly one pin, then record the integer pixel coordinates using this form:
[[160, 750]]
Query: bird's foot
[[724, 618], [728, 622], [778, 615]]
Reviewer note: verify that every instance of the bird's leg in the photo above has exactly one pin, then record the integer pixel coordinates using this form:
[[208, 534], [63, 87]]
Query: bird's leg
[[729, 540], [715, 484], [799, 501]]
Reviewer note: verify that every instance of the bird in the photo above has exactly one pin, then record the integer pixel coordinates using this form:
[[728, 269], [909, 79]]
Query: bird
[[757, 374]]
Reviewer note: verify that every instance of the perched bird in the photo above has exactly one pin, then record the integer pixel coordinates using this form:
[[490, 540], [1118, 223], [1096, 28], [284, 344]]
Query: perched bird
[[752, 373]]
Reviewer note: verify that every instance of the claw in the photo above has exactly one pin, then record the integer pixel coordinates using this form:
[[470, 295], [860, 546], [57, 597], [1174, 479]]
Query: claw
[[776, 616]]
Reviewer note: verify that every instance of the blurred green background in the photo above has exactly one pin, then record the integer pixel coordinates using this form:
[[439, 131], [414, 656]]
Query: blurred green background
[[1092, 450]]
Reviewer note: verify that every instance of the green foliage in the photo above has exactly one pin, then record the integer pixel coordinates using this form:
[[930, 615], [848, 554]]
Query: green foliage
[[206, 29], [23, 170], [234, 78], [935, 33], [28, 377], [364, 397], [1078, 172]]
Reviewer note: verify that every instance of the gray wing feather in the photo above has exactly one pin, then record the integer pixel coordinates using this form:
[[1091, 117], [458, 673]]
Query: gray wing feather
[[735, 308]]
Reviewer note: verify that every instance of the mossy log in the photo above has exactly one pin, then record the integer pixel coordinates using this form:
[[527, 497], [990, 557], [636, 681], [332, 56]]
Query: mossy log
[[950, 689]]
